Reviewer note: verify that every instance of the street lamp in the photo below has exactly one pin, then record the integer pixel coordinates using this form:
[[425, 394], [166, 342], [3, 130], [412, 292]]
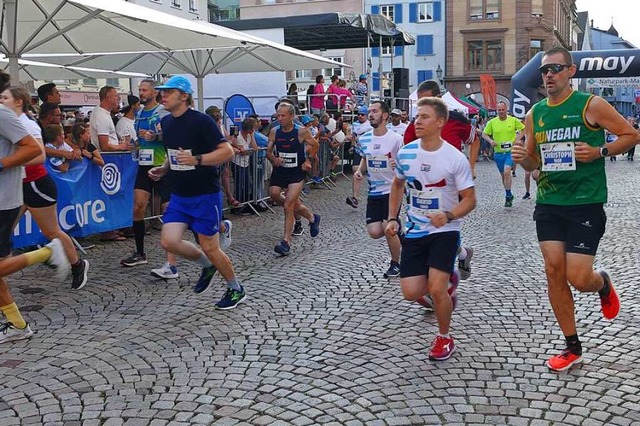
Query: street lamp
[[439, 76]]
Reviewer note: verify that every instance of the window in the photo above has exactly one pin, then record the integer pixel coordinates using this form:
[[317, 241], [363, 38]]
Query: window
[[537, 8], [176, 3], [193, 5], [484, 9], [328, 72], [387, 51], [535, 46], [484, 55], [387, 12], [90, 82], [425, 12], [113, 82], [303, 75], [224, 15]]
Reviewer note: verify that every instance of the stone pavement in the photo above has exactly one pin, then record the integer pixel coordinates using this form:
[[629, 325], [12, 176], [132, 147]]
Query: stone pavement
[[323, 338]]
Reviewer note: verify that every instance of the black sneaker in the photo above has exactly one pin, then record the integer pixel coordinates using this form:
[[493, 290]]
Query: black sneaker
[[526, 196], [353, 202], [283, 248], [508, 201], [79, 274], [134, 260], [393, 271], [206, 276], [314, 228], [297, 229], [231, 299]]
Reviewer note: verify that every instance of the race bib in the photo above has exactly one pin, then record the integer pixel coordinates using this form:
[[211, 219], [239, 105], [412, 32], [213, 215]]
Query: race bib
[[145, 157], [558, 157], [506, 145], [379, 163], [425, 202], [173, 161], [289, 159]]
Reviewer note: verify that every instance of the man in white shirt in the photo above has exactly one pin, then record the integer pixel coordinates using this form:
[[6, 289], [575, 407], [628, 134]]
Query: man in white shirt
[[125, 129], [103, 131], [396, 124]]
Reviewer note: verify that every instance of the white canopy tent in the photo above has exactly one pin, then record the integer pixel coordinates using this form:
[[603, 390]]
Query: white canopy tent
[[34, 70], [451, 102]]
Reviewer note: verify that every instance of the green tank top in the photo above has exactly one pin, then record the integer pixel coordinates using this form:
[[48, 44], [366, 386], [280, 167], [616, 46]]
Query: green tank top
[[565, 122]]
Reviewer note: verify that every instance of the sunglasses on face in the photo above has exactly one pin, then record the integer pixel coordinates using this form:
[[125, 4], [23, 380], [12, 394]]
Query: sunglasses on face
[[554, 68]]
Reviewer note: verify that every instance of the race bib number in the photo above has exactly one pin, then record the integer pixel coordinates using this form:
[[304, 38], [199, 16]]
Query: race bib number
[[506, 145], [379, 163], [558, 157], [145, 157], [173, 161], [289, 159], [425, 202]]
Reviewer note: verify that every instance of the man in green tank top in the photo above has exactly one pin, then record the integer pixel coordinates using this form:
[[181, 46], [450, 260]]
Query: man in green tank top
[[565, 141]]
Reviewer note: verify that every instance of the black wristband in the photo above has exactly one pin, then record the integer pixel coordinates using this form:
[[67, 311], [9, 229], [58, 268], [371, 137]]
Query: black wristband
[[393, 219]]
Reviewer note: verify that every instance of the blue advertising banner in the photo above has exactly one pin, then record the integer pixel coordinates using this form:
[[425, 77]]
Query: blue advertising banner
[[91, 199], [238, 107]]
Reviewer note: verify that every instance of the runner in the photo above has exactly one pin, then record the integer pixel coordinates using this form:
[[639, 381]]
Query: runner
[[358, 129], [396, 123], [195, 149], [457, 131], [151, 153], [502, 132], [39, 189], [289, 166], [378, 149], [570, 219], [17, 148], [440, 191]]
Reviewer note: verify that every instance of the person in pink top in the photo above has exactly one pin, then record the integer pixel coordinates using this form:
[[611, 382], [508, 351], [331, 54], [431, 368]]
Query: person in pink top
[[317, 100], [343, 93]]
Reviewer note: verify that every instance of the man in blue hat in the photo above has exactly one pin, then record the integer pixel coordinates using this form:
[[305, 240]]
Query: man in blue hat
[[361, 90], [195, 147]]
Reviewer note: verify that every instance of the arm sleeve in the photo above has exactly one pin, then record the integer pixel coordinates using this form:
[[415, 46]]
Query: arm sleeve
[[211, 132], [464, 178], [519, 125], [103, 128], [488, 129], [12, 129]]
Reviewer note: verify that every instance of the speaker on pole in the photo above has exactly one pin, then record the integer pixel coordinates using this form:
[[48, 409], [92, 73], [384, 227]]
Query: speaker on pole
[[400, 81]]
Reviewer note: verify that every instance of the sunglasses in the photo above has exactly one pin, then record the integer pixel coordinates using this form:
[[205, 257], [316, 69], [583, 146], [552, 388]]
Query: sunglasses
[[554, 68], [362, 114]]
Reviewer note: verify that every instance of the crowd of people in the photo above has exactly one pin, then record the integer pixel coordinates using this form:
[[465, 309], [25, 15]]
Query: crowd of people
[[184, 155]]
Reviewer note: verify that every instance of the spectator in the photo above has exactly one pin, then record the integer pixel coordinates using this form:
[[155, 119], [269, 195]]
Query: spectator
[[81, 137], [243, 145], [49, 114], [361, 90], [53, 138], [216, 114], [333, 102], [102, 129], [292, 95], [48, 93], [317, 100], [343, 94], [125, 129], [262, 164]]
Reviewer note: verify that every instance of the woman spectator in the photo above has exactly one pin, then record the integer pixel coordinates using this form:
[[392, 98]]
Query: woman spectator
[[317, 100], [343, 93], [39, 189], [81, 137], [292, 95], [333, 102]]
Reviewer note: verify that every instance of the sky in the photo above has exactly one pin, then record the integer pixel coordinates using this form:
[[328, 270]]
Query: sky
[[624, 13]]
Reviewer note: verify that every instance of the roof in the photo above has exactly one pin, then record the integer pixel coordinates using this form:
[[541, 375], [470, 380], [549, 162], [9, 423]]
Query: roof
[[330, 30], [602, 40]]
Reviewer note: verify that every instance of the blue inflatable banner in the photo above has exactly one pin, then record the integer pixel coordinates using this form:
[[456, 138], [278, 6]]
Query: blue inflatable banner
[[91, 199], [238, 107]]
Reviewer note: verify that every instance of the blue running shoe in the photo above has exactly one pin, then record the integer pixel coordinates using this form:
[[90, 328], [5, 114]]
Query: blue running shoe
[[231, 299], [317, 179], [283, 248], [314, 228], [205, 280]]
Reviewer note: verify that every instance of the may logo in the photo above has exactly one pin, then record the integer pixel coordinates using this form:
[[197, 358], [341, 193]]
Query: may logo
[[111, 179]]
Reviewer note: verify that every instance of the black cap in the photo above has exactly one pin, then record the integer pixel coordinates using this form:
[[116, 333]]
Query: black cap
[[131, 100]]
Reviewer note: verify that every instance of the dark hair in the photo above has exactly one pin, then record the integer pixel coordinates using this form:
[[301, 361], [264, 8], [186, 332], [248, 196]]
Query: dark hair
[[429, 85], [5, 80], [77, 130], [293, 89], [22, 94], [248, 124], [104, 91], [46, 109], [151, 82], [45, 90], [383, 106], [561, 50], [334, 78], [51, 132], [213, 112], [319, 78]]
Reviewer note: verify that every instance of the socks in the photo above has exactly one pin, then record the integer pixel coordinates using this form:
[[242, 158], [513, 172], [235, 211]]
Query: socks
[[204, 261], [573, 344], [462, 254], [446, 336], [13, 315], [38, 256], [298, 222], [138, 233], [234, 284], [604, 291], [508, 192]]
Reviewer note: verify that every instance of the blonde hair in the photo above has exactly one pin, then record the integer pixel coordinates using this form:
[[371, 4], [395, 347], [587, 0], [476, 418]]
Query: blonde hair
[[437, 104]]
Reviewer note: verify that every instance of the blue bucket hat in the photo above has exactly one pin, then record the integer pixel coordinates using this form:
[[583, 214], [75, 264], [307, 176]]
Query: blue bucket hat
[[362, 77], [363, 110], [306, 119], [177, 82]]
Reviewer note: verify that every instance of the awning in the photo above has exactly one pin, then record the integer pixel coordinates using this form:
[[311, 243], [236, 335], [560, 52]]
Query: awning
[[330, 30], [472, 109], [481, 110]]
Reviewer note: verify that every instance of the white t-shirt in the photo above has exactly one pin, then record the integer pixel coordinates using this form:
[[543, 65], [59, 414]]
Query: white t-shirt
[[31, 126], [242, 160], [399, 129], [57, 161], [433, 180], [378, 152], [126, 127], [102, 124], [359, 128]]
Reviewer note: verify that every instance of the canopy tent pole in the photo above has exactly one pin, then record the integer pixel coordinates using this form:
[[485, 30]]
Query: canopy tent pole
[[200, 79], [380, 90], [11, 9], [392, 79]]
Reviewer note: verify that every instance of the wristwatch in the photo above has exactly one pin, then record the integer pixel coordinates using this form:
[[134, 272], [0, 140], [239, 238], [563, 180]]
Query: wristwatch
[[199, 159], [449, 216], [604, 151]]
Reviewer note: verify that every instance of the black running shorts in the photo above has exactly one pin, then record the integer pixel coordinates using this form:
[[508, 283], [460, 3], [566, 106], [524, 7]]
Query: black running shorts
[[40, 193], [284, 179], [7, 219], [377, 209], [432, 251], [145, 183]]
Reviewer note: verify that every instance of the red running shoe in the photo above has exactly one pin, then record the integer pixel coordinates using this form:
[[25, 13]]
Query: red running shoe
[[441, 348], [563, 361], [425, 301], [610, 303]]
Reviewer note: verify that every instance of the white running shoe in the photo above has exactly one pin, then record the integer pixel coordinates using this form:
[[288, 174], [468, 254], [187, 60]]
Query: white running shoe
[[166, 272], [225, 237], [58, 259], [9, 333]]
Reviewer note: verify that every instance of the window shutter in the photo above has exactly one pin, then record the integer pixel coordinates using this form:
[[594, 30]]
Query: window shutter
[[375, 10], [437, 11], [397, 51], [424, 75], [413, 12], [397, 14], [425, 44], [375, 82], [375, 52]]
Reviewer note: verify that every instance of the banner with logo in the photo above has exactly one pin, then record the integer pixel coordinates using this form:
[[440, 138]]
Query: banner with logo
[[237, 108], [488, 90], [91, 199]]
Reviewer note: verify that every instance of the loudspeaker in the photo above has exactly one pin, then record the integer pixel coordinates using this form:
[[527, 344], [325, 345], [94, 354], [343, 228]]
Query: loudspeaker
[[400, 81]]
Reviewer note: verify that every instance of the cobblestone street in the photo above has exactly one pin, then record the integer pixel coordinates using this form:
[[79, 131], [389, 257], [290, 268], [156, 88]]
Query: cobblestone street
[[323, 338]]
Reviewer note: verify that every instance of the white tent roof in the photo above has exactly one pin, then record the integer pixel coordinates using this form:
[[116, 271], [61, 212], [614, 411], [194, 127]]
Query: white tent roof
[[35, 70], [451, 102]]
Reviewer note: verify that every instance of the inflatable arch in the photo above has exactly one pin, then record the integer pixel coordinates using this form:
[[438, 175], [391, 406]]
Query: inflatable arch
[[590, 63]]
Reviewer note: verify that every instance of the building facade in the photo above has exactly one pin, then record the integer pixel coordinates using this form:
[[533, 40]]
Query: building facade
[[497, 37], [187, 9], [425, 20]]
